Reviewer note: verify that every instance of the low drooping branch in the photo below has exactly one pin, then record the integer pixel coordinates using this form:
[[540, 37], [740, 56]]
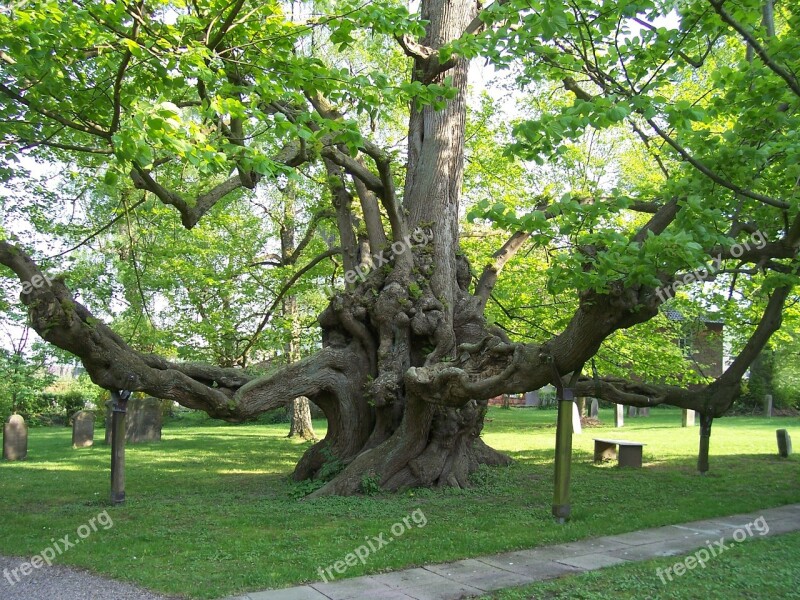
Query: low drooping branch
[[490, 368], [325, 371], [112, 364], [714, 399]]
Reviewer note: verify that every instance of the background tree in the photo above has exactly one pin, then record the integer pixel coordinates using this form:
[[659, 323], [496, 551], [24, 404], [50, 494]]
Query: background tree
[[23, 375]]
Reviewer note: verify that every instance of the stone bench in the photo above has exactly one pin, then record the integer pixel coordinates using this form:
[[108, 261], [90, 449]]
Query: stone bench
[[630, 453]]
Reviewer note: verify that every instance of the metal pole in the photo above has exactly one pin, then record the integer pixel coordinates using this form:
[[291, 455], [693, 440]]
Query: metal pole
[[561, 503], [120, 407]]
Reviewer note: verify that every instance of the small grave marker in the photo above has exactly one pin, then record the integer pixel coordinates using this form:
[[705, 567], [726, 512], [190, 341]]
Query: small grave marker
[[15, 438]]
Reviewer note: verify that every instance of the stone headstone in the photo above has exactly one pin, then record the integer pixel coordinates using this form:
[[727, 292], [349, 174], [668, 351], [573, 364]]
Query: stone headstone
[[784, 443], [594, 409], [768, 405], [83, 429], [532, 398], [15, 438], [619, 415], [581, 402], [143, 421], [632, 411], [687, 419], [644, 411], [576, 419]]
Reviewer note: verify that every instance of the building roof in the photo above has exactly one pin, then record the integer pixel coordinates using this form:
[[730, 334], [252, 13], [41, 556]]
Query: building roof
[[709, 319]]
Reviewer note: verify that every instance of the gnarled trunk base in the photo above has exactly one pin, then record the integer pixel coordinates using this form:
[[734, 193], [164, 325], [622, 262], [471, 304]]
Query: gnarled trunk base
[[433, 447]]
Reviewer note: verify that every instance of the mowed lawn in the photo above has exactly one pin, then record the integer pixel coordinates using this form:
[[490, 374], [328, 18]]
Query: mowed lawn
[[211, 510]]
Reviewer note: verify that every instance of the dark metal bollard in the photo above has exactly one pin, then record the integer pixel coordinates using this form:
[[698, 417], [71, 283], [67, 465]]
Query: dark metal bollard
[[705, 439], [120, 407], [561, 501]]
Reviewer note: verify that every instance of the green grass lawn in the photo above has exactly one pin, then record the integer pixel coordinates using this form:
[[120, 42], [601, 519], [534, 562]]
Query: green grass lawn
[[760, 568], [211, 510]]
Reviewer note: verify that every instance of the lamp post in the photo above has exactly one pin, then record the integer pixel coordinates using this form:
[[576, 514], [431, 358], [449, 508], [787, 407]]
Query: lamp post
[[119, 408]]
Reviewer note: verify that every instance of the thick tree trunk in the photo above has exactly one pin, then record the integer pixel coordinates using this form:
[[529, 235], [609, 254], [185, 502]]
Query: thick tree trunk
[[436, 157], [422, 309]]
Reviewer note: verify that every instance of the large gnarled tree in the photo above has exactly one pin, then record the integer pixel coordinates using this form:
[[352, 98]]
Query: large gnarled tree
[[197, 103]]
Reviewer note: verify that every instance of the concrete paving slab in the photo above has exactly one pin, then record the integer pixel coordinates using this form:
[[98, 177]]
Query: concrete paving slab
[[459, 568], [388, 594], [779, 527], [590, 562], [410, 578], [540, 569], [704, 528], [727, 528], [650, 536], [345, 589], [489, 582], [580, 548], [450, 590], [475, 573], [294, 593], [674, 547], [518, 557], [712, 524]]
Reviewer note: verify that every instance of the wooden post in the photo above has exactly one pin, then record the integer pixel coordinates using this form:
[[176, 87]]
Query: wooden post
[[705, 438], [561, 503], [119, 408]]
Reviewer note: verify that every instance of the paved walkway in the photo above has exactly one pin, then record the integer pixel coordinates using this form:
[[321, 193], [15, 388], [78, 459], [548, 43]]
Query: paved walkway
[[477, 576]]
